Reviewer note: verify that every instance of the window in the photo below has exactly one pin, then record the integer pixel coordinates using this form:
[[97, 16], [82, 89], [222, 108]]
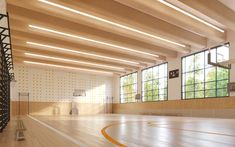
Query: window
[[201, 80], [154, 83], [128, 88]]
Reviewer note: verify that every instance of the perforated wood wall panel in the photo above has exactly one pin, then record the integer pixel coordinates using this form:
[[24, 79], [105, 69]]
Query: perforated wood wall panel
[[51, 85]]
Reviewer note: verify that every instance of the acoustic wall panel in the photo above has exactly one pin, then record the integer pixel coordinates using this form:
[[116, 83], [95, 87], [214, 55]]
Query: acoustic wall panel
[[51, 85]]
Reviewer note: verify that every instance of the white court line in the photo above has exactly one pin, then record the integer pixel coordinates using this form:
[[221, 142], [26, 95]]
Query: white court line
[[59, 132]]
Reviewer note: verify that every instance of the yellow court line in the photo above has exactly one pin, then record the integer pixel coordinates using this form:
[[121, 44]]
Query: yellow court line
[[109, 138], [188, 130]]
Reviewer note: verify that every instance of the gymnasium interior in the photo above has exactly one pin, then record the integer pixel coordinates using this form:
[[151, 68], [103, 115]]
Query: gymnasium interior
[[128, 73]]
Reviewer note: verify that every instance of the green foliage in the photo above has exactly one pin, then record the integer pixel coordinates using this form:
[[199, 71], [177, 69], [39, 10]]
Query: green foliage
[[152, 91], [128, 87], [200, 76]]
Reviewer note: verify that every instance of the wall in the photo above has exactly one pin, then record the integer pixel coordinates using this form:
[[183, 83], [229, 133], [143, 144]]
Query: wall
[[174, 94], [3, 7], [211, 107], [231, 39], [51, 91]]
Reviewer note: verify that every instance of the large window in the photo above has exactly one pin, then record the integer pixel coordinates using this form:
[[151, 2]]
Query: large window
[[201, 80], [154, 83], [128, 88]]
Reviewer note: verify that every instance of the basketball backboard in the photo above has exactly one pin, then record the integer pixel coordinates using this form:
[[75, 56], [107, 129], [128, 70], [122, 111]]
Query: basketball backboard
[[219, 56]]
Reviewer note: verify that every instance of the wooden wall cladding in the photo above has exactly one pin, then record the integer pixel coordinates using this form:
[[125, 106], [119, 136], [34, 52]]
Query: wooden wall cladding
[[58, 108], [211, 107]]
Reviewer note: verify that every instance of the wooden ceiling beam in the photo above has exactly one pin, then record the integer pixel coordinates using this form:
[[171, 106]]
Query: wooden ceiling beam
[[215, 10], [29, 17], [23, 58], [103, 8], [21, 38], [21, 51], [161, 11]]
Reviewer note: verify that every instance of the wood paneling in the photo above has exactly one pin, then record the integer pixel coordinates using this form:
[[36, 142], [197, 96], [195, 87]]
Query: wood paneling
[[211, 107], [58, 108]]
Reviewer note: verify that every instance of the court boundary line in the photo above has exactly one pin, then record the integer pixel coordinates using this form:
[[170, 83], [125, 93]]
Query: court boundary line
[[150, 124], [109, 138], [188, 130], [59, 132]]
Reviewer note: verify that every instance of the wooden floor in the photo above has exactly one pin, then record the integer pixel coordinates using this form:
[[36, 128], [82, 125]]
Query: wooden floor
[[121, 130]]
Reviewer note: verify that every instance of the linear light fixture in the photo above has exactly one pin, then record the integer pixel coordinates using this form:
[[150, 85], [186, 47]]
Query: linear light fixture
[[110, 22], [190, 15], [67, 67], [91, 40], [74, 61], [80, 52]]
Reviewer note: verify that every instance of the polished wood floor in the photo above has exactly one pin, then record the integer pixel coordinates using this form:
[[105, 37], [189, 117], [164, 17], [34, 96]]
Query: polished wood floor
[[121, 130]]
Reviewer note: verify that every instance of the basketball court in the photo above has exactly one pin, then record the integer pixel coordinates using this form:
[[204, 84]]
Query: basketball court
[[129, 73]]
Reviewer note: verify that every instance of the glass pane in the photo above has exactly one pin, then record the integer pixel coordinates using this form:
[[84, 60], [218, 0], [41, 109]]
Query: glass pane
[[166, 70], [183, 88], [155, 72], [161, 91], [134, 78], [144, 96], [161, 97], [183, 65], [189, 88], [189, 95], [199, 94], [147, 74], [190, 78], [222, 73], [155, 98], [148, 85], [155, 92], [210, 93], [155, 84], [210, 85], [222, 84], [222, 92], [162, 83], [199, 60], [189, 63], [183, 79], [210, 74], [150, 93], [183, 95], [199, 76], [199, 86], [166, 84], [122, 81], [162, 71], [165, 91]]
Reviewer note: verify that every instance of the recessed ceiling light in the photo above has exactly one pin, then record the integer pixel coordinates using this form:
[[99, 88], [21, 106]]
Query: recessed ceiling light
[[190, 15], [74, 61], [80, 52], [110, 22], [91, 40], [67, 67]]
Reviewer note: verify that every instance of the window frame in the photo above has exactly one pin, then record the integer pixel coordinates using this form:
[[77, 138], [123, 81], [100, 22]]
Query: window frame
[[120, 94], [216, 80], [152, 82]]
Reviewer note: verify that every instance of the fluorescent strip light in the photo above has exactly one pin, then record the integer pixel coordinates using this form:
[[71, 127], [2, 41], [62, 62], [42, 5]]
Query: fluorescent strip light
[[91, 40], [190, 15], [80, 52], [74, 61], [66, 67], [110, 22]]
